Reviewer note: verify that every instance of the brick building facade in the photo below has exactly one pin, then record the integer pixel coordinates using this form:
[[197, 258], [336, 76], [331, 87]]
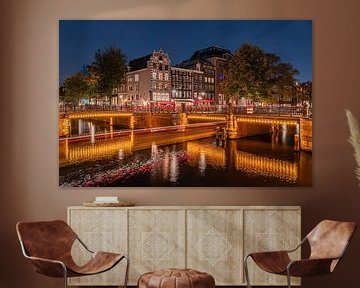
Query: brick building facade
[[151, 80]]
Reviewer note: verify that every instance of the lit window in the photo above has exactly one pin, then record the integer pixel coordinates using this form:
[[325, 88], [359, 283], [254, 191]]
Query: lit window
[[154, 75], [136, 77]]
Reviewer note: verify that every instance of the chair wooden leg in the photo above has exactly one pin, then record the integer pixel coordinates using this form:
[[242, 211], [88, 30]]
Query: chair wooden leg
[[246, 270]]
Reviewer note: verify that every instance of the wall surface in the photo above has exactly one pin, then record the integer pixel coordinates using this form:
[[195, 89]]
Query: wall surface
[[28, 110]]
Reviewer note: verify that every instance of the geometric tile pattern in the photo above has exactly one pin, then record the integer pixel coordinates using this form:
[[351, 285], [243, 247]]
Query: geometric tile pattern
[[270, 230], [211, 239], [101, 230], [214, 243], [269, 240], [98, 240], [156, 241], [156, 246], [213, 246]]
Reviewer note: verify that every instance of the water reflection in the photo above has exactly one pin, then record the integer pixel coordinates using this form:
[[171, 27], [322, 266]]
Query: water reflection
[[174, 167], [73, 153], [202, 162], [203, 153], [269, 167], [133, 160]]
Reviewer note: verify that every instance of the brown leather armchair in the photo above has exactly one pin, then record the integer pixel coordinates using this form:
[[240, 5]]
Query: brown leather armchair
[[48, 245], [328, 242]]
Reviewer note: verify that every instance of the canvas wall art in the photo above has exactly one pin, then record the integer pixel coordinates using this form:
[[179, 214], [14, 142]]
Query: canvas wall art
[[181, 103]]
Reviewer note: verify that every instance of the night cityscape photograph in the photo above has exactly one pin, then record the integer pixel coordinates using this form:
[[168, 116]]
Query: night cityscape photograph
[[185, 103]]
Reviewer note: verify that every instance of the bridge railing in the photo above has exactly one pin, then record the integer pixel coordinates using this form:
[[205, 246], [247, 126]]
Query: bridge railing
[[289, 111]]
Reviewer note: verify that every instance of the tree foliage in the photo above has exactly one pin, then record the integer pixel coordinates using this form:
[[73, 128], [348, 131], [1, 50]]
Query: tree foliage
[[283, 84], [110, 66], [247, 72], [75, 88], [253, 73], [304, 91], [91, 78], [100, 78], [61, 92]]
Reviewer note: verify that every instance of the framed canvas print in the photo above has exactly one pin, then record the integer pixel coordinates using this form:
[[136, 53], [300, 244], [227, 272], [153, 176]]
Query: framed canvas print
[[185, 103]]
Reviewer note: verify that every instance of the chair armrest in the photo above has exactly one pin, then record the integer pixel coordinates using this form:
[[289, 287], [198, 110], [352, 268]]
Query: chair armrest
[[45, 260], [48, 267], [268, 253], [281, 251], [84, 245], [298, 246], [309, 267]]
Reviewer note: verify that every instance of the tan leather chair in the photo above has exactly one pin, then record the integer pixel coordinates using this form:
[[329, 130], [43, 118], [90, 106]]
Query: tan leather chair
[[48, 245], [328, 242]]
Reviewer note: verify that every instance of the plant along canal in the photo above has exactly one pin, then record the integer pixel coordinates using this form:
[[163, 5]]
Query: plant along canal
[[175, 156]]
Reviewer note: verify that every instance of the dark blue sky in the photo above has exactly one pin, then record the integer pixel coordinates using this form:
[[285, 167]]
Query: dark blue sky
[[79, 39]]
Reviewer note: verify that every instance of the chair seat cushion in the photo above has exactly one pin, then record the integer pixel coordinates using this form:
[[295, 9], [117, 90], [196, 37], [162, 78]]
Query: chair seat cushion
[[176, 278]]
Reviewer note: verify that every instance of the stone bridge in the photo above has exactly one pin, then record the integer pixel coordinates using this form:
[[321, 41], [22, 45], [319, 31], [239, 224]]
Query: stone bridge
[[237, 126]]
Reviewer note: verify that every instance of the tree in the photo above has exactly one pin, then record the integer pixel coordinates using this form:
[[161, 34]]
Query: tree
[[110, 65], [248, 72], [75, 88], [304, 91], [61, 93], [283, 84], [91, 77], [255, 74]]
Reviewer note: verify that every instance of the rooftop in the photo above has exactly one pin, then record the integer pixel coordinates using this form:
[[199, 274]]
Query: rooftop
[[139, 63], [212, 51]]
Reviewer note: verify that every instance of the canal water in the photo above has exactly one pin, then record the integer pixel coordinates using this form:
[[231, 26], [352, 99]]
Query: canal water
[[174, 159]]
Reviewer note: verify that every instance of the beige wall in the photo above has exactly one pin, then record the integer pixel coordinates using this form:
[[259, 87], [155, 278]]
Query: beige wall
[[28, 128]]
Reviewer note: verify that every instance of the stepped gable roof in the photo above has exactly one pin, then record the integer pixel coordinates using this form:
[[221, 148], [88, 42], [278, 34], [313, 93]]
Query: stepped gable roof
[[139, 63], [212, 51]]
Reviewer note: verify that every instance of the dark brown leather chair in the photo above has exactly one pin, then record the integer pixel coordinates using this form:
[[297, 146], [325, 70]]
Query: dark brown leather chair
[[48, 245], [328, 242]]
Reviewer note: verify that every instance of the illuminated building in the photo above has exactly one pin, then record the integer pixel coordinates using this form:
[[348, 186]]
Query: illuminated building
[[205, 89], [186, 84], [148, 79], [151, 79], [218, 58]]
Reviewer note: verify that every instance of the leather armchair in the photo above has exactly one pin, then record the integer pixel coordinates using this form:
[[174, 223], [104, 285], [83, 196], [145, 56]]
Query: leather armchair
[[328, 242], [48, 245]]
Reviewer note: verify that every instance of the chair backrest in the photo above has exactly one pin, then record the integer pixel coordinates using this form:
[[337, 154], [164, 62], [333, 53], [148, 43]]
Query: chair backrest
[[329, 239], [46, 239]]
